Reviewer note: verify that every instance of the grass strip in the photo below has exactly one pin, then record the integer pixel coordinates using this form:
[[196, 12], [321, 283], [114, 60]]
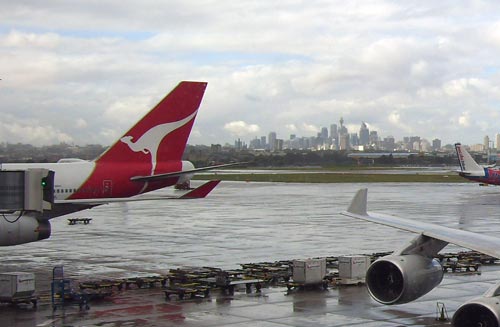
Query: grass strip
[[335, 178]]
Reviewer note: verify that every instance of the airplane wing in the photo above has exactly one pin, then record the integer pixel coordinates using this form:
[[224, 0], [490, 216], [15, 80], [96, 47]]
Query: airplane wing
[[478, 242], [180, 173], [197, 193]]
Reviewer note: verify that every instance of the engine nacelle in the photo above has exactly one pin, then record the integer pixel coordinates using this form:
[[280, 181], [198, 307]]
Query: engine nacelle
[[26, 229], [481, 311], [397, 279]]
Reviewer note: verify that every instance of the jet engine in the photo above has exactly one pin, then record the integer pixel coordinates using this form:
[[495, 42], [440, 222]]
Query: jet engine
[[481, 311], [16, 230], [397, 279]]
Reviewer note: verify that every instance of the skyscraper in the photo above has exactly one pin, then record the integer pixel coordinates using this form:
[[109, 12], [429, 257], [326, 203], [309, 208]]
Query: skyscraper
[[324, 133], [486, 143], [343, 136], [334, 135], [364, 134], [272, 141], [263, 142]]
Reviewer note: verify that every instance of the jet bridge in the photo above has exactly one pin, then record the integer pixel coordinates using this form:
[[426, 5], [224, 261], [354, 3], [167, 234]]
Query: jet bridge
[[30, 190]]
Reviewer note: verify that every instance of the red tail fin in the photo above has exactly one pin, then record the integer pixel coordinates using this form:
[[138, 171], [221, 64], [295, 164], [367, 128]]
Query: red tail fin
[[163, 133]]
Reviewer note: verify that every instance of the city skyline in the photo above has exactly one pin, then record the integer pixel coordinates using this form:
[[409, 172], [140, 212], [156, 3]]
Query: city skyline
[[338, 137]]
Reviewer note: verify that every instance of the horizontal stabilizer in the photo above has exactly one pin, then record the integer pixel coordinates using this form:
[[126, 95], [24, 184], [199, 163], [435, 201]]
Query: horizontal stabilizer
[[159, 177], [197, 193], [201, 191]]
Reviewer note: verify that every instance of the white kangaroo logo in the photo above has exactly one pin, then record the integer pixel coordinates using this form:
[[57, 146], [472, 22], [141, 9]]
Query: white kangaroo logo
[[150, 141]]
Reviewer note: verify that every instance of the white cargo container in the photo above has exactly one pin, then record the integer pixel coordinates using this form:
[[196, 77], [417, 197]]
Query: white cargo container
[[309, 271], [16, 285], [352, 268]]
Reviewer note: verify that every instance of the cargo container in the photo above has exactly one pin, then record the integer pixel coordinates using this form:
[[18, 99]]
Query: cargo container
[[352, 269], [309, 271], [16, 285]]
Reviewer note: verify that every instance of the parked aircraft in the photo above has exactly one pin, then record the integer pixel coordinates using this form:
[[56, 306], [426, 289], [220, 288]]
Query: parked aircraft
[[146, 158], [471, 170], [411, 272]]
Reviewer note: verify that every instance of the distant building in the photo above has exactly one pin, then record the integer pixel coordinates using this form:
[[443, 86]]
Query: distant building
[[373, 139], [255, 144], [342, 129], [477, 148], [237, 144], [354, 140], [216, 148], [388, 143], [343, 136], [436, 144], [278, 146], [334, 135], [324, 133], [272, 141], [486, 142], [364, 134], [410, 141], [344, 142]]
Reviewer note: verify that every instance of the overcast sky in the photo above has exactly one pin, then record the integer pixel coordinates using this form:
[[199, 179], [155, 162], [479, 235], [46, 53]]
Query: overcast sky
[[84, 71]]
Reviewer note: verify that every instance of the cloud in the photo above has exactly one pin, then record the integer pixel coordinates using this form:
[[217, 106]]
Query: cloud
[[397, 66], [17, 39], [241, 128], [309, 128], [394, 118], [81, 123], [464, 119], [31, 132], [398, 124]]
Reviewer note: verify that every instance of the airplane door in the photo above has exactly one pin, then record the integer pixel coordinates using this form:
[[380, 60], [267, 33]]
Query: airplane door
[[107, 187]]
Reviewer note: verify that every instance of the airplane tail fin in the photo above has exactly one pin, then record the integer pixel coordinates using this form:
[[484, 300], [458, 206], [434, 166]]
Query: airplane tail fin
[[162, 134], [467, 163]]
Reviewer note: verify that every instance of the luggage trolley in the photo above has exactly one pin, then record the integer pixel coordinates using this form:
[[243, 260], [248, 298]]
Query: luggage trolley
[[62, 291]]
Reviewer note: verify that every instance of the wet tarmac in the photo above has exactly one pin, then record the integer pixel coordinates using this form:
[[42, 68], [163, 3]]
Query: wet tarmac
[[243, 223]]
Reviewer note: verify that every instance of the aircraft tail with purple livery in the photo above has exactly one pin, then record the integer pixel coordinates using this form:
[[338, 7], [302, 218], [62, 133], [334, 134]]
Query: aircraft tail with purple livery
[[473, 171]]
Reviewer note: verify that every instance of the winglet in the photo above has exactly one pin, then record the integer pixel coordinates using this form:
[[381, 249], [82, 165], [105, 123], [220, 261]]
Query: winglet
[[201, 191], [358, 203]]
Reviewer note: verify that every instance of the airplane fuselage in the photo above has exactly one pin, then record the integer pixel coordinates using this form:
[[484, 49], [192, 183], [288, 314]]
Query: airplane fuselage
[[491, 176], [94, 180]]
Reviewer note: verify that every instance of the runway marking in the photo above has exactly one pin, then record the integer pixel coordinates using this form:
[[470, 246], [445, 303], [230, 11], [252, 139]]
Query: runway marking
[[46, 323]]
